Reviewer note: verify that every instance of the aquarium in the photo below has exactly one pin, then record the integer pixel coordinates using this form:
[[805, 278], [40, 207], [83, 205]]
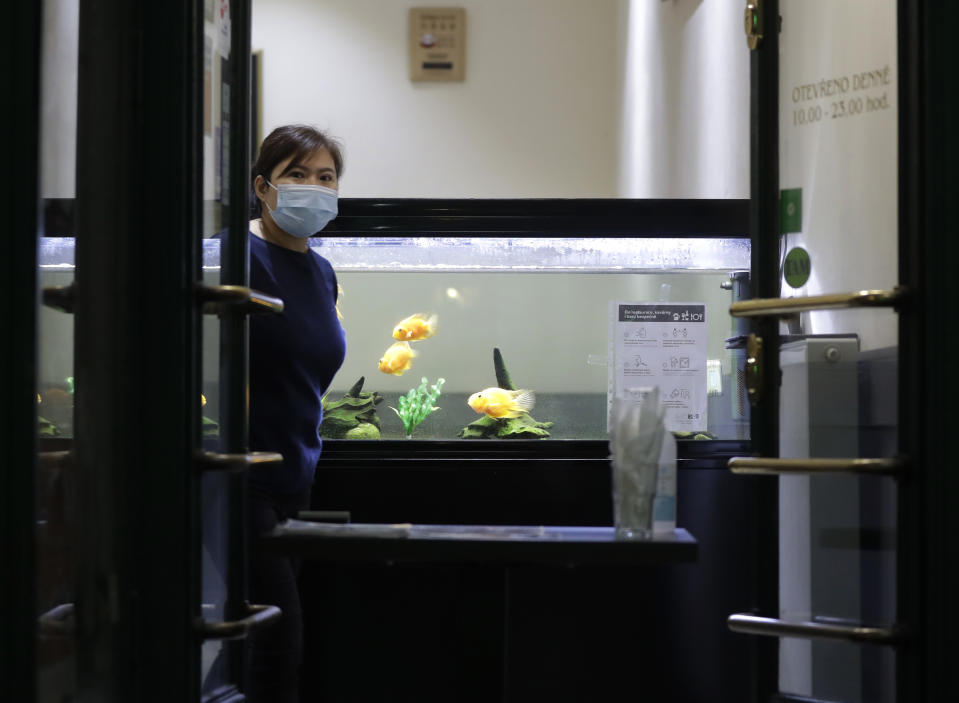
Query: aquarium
[[542, 302], [539, 305]]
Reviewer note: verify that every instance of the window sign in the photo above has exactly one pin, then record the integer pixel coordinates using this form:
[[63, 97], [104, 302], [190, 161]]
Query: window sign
[[661, 345]]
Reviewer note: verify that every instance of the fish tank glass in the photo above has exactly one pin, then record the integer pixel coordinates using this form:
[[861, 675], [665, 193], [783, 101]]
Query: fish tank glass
[[542, 313]]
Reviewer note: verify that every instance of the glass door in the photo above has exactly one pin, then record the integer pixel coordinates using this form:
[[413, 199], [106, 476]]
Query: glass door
[[226, 615], [825, 348], [56, 518], [853, 150], [220, 660], [838, 108], [122, 458]]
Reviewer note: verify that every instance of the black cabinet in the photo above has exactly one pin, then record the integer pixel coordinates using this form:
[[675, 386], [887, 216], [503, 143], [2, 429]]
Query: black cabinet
[[527, 631]]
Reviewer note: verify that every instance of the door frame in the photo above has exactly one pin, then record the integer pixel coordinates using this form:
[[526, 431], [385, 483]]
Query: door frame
[[928, 553], [764, 226], [18, 364], [136, 349]]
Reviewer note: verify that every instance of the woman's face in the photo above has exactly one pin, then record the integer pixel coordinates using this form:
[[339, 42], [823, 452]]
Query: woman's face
[[316, 169]]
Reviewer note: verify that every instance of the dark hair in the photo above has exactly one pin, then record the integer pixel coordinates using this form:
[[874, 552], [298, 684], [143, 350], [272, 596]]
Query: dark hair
[[296, 141]]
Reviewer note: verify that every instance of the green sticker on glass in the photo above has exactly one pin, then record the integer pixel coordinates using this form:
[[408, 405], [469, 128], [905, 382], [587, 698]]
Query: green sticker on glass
[[790, 215], [796, 267]]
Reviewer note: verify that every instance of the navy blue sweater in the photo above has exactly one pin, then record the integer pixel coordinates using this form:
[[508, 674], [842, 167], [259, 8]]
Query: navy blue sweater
[[293, 358]]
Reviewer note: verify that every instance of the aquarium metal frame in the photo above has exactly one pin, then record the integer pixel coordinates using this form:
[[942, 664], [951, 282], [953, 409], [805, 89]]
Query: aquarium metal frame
[[705, 453], [575, 218], [567, 217], [460, 481], [572, 217], [462, 475], [553, 217]]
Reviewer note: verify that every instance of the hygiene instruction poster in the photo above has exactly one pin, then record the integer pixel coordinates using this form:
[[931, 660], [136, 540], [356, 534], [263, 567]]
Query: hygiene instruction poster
[[661, 345]]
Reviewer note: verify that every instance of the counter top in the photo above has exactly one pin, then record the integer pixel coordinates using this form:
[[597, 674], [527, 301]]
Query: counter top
[[489, 544]]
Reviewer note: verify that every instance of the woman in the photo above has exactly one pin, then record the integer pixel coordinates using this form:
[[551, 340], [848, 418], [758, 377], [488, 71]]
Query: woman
[[293, 358]]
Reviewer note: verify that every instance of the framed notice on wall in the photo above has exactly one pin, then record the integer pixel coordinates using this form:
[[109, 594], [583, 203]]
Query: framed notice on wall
[[437, 38]]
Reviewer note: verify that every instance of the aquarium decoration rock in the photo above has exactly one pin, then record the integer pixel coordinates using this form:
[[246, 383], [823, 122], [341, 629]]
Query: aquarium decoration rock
[[417, 405], [45, 428], [682, 434], [211, 428], [522, 427], [353, 416]]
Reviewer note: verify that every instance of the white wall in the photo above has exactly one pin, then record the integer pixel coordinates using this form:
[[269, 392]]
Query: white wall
[[537, 115], [685, 100], [563, 98]]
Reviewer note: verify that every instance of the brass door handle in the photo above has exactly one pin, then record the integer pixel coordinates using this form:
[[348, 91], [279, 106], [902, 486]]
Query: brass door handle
[[753, 625], [215, 461], [51, 461], [776, 307], [257, 615], [58, 621], [777, 467], [236, 300]]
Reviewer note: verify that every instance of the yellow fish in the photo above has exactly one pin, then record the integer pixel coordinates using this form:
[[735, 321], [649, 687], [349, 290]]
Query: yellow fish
[[416, 327], [498, 402], [398, 359]]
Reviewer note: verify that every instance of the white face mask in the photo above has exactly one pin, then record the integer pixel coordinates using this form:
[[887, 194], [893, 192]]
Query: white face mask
[[303, 210]]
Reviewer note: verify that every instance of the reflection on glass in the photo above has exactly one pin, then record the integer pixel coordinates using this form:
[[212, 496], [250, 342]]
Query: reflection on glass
[[55, 576], [55, 380], [217, 665], [838, 123], [838, 530], [214, 495], [214, 500], [57, 519], [543, 302]]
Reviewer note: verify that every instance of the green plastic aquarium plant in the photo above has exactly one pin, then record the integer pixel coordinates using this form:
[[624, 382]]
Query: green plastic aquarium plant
[[417, 405]]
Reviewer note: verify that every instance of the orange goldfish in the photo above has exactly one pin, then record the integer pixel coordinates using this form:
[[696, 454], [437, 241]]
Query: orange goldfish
[[398, 359], [416, 327], [498, 402]]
